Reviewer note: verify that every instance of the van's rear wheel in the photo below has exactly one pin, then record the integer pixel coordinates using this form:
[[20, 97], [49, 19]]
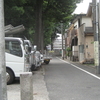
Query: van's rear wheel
[[9, 76]]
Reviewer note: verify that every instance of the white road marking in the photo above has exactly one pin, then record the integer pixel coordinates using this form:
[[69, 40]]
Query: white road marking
[[63, 60], [80, 69]]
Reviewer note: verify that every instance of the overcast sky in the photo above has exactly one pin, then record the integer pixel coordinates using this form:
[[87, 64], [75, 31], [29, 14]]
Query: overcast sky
[[82, 7]]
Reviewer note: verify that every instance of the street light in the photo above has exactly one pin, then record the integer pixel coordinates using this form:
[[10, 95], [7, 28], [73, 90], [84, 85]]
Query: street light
[[62, 40]]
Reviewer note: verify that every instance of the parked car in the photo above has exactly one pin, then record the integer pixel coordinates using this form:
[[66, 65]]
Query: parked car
[[34, 56], [37, 59]]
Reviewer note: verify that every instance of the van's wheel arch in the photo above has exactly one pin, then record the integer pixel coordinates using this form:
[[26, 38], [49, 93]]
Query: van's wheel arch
[[9, 76], [32, 67], [46, 61]]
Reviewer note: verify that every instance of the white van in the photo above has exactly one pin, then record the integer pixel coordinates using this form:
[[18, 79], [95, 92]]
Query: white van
[[17, 60]]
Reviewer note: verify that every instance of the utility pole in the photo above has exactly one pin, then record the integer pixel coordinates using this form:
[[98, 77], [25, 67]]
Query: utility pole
[[96, 35], [99, 36], [62, 40], [3, 89]]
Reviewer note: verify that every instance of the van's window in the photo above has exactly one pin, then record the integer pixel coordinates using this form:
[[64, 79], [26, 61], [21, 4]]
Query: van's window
[[13, 47], [26, 43]]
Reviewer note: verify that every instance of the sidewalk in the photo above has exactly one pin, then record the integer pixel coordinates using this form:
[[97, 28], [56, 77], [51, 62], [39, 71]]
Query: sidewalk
[[39, 87], [88, 67]]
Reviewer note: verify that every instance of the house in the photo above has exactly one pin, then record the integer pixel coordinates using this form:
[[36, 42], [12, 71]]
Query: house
[[57, 44], [80, 38]]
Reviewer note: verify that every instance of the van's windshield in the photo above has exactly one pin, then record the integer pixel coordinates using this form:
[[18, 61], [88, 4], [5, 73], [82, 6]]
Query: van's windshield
[[13, 47]]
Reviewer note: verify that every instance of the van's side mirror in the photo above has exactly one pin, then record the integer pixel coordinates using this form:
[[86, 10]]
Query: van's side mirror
[[26, 48], [35, 47]]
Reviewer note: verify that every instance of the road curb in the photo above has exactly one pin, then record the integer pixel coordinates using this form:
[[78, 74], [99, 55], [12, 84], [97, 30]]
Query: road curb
[[39, 86]]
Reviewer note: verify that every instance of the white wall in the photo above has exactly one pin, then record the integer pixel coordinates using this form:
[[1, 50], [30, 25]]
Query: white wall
[[87, 21]]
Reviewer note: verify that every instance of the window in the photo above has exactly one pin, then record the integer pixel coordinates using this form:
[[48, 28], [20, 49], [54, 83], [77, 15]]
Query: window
[[13, 47]]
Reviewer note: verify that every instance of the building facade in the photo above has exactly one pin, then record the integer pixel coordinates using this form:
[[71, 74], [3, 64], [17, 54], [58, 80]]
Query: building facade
[[80, 38]]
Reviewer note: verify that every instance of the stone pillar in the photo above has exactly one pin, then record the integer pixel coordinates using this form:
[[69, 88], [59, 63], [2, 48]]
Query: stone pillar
[[26, 83], [81, 53]]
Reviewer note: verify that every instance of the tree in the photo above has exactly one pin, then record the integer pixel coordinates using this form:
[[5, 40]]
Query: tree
[[20, 12], [38, 24], [54, 12], [38, 15]]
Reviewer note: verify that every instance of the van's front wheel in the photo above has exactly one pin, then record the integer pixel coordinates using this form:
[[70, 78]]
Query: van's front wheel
[[9, 76]]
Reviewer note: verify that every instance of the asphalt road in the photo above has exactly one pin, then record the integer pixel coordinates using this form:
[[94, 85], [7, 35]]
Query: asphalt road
[[66, 81]]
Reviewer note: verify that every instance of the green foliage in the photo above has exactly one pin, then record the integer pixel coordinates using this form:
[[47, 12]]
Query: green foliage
[[49, 30], [19, 12], [69, 52], [92, 42], [68, 49], [55, 11], [58, 10]]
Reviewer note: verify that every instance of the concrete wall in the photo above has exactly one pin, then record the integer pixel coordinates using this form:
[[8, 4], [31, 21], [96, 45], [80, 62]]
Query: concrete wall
[[87, 21], [81, 35], [75, 51], [89, 47]]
